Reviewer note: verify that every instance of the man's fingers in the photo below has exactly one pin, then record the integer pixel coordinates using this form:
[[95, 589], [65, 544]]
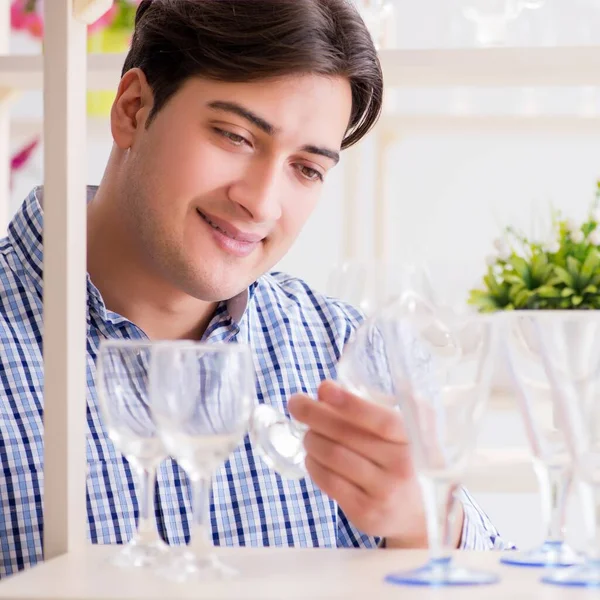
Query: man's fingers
[[359, 470], [336, 486], [325, 421], [382, 421]]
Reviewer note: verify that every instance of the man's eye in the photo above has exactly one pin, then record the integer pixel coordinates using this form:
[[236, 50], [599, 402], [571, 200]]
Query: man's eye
[[310, 174], [234, 138]]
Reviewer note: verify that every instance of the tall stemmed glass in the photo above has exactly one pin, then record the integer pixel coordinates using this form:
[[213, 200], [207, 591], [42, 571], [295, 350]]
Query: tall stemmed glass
[[368, 285], [442, 403], [122, 382], [551, 460], [201, 398], [569, 345]]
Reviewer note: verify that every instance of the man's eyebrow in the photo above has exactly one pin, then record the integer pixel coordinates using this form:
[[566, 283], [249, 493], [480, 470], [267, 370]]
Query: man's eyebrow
[[332, 154], [268, 128], [245, 113]]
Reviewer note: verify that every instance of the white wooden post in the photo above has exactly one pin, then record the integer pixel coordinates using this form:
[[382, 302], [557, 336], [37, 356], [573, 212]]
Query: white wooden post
[[380, 217], [6, 96], [65, 320]]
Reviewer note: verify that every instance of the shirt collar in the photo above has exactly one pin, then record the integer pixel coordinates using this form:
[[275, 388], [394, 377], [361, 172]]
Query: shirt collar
[[25, 233]]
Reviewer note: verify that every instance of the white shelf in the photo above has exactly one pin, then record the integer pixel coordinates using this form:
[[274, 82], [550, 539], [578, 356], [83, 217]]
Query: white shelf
[[26, 72], [25, 129], [269, 573], [438, 124], [499, 67]]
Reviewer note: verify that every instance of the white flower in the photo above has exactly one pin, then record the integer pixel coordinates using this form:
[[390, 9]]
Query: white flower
[[552, 247], [504, 254], [502, 249], [594, 237], [595, 215], [572, 225], [577, 236], [490, 260], [501, 246]]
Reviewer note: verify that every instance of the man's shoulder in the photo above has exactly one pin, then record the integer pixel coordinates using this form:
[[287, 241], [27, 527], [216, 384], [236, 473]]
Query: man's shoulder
[[294, 298]]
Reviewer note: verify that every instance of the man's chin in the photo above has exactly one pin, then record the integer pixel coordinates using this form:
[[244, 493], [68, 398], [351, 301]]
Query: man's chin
[[217, 291]]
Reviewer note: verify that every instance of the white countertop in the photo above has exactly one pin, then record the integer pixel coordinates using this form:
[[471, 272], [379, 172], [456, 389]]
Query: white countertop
[[270, 573]]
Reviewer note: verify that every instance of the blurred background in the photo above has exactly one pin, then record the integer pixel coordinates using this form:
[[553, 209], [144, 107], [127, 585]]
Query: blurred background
[[448, 166]]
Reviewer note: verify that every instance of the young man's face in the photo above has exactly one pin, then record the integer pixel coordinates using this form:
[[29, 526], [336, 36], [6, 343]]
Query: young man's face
[[219, 186]]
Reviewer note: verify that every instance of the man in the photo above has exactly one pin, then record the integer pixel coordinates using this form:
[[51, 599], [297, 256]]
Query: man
[[227, 120]]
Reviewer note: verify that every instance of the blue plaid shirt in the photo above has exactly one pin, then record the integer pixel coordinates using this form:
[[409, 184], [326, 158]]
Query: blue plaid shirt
[[297, 336]]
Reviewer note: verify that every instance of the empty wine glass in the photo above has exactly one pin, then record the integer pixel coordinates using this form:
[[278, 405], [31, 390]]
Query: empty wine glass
[[569, 345], [551, 460], [370, 284], [364, 367], [442, 403], [201, 398], [122, 382]]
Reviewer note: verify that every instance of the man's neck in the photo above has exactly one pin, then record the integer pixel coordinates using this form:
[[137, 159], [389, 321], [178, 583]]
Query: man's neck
[[163, 313]]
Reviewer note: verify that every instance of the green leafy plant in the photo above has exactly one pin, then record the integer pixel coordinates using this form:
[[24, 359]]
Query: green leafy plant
[[561, 273]]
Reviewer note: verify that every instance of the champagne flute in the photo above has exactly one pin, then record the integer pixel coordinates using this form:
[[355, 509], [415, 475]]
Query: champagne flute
[[552, 463], [202, 395], [123, 393], [442, 403], [568, 343]]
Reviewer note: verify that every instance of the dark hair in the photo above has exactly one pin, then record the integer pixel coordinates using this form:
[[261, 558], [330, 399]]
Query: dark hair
[[249, 40]]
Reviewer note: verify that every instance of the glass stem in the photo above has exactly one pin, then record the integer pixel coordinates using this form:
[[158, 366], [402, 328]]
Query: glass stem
[[590, 496], [146, 531], [201, 532], [555, 484], [440, 505]]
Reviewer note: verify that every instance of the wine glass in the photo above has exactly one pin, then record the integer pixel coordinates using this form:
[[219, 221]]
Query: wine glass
[[569, 346], [201, 398], [367, 285], [441, 366], [122, 378], [551, 460]]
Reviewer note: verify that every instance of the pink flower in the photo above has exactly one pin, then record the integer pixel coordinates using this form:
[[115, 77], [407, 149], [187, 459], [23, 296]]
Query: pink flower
[[18, 17], [21, 158], [26, 15]]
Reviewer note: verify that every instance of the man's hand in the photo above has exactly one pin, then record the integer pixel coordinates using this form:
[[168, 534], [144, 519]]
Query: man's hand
[[358, 454]]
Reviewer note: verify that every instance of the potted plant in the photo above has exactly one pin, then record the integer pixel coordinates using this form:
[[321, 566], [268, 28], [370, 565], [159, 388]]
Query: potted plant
[[561, 272]]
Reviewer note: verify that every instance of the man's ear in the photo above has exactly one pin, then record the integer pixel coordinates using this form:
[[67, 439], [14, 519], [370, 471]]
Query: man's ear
[[131, 108]]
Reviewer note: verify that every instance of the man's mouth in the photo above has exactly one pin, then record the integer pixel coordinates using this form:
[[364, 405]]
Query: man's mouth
[[230, 230], [215, 226], [231, 239]]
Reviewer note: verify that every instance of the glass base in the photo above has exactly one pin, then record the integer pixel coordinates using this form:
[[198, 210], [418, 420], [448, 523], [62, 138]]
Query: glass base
[[279, 440], [139, 554], [441, 572], [549, 554], [186, 566], [584, 575]]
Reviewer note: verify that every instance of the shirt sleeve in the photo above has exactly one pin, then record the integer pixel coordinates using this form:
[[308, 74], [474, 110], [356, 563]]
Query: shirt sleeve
[[349, 536], [478, 532]]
